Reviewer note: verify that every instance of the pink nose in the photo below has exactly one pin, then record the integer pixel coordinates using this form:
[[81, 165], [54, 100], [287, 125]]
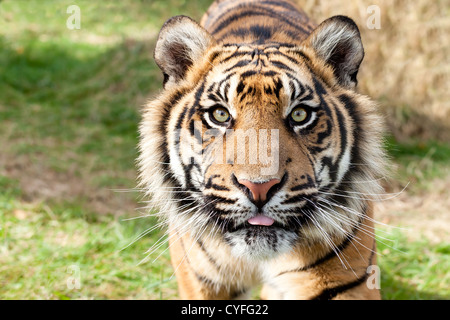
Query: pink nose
[[259, 190]]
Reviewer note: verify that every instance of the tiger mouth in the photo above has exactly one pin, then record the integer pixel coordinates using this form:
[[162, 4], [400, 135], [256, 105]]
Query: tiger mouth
[[263, 229], [248, 226]]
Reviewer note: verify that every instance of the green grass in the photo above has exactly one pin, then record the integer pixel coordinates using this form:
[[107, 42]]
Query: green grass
[[416, 270], [69, 109], [419, 162], [41, 245]]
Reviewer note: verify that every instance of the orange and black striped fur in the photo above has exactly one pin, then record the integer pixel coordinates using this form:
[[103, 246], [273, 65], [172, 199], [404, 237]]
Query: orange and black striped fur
[[260, 155]]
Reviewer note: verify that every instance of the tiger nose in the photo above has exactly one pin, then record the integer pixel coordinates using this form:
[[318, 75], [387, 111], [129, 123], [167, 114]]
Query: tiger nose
[[259, 190]]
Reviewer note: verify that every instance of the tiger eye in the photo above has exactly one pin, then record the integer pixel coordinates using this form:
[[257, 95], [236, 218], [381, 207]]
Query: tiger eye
[[299, 114], [221, 114]]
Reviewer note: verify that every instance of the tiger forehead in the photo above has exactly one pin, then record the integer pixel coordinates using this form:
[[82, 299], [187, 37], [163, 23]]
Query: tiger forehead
[[247, 53], [266, 61], [249, 86], [258, 80]]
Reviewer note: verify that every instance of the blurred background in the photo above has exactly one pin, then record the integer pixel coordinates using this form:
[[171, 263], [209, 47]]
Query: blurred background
[[69, 111]]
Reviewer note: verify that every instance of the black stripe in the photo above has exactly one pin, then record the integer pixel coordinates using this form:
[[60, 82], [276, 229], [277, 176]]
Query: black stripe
[[302, 54], [259, 32], [331, 254], [281, 4], [214, 56], [266, 12], [182, 196], [355, 151], [194, 132], [278, 87], [187, 169], [332, 167], [279, 53], [293, 91], [302, 91], [294, 199], [163, 128], [241, 63], [247, 74], [181, 117], [226, 79], [358, 134], [226, 90], [214, 96], [264, 4], [210, 185], [211, 87], [166, 110], [236, 54], [198, 95], [270, 73], [330, 293], [240, 87], [178, 131], [281, 65], [208, 255], [217, 200], [200, 278], [307, 185], [287, 17], [217, 187]]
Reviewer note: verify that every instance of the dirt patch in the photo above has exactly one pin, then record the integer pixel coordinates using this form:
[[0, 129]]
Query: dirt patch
[[38, 183], [424, 214]]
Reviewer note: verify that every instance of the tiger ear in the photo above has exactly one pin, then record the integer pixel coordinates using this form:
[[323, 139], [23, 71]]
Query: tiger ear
[[338, 42], [181, 42]]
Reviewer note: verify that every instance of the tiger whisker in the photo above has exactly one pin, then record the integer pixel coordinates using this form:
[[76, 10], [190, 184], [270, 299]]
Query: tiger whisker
[[352, 211], [187, 253], [372, 234], [142, 234], [349, 235], [190, 224], [394, 195], [328, 240]]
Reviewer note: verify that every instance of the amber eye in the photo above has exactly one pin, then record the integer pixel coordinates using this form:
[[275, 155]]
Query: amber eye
[[220, 114], [299, 114]]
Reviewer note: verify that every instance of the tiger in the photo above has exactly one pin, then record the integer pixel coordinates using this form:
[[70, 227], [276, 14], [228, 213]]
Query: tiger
[[261, 156]]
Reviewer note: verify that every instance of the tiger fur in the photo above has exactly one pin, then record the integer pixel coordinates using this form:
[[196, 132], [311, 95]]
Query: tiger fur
[[303, 230]]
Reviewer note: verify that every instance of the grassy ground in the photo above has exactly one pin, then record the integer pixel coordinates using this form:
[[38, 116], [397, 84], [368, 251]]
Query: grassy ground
[[69, 109]]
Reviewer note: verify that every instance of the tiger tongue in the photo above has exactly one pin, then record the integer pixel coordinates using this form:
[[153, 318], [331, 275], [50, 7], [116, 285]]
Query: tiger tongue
[[260, 220]]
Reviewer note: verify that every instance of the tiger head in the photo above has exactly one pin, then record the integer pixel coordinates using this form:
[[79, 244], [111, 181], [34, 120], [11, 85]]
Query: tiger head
[[265, 147]]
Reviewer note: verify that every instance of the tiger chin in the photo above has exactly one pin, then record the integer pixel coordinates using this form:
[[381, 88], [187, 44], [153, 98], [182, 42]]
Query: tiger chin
[[260, 155]]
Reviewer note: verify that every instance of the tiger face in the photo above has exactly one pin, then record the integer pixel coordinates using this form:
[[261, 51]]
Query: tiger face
[[255, 144]]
